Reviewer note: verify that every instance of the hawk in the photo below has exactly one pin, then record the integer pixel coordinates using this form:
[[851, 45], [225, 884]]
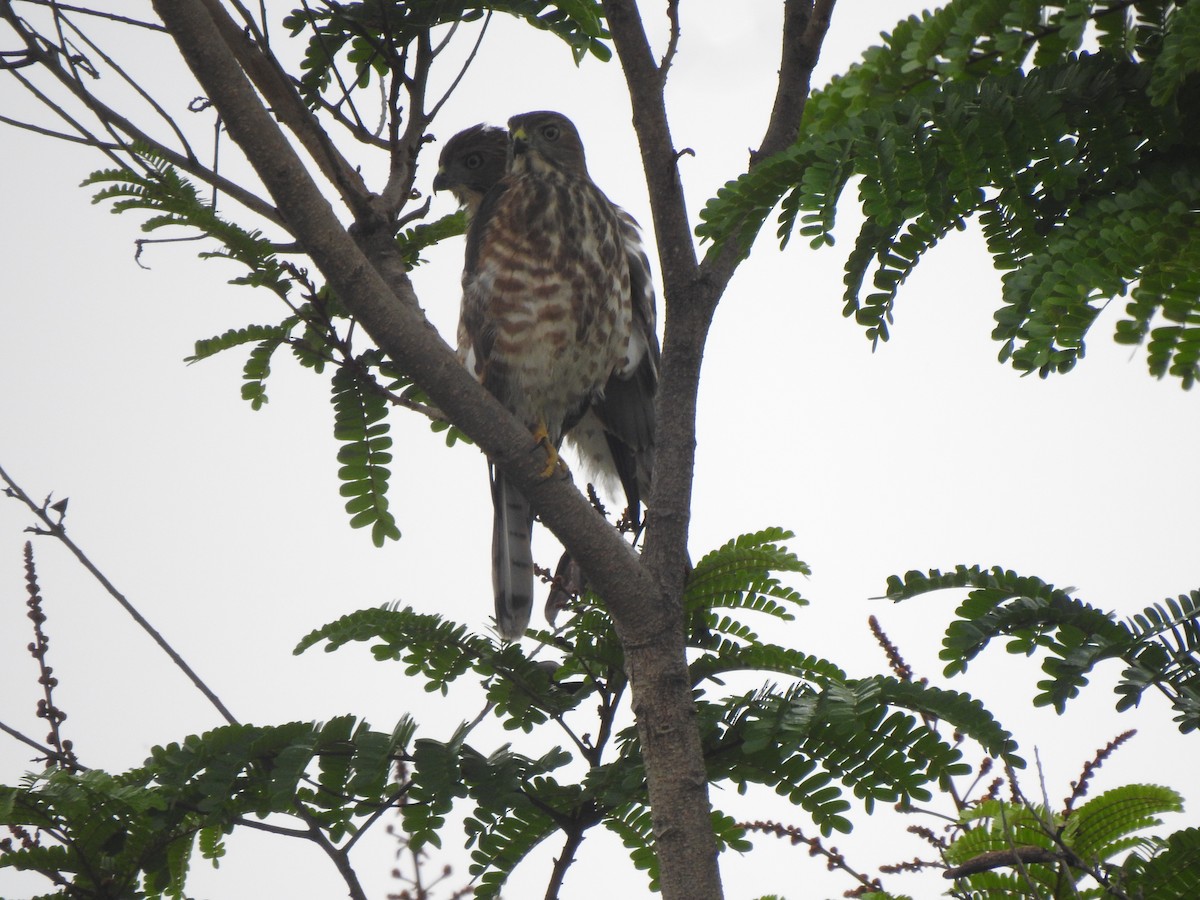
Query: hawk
[[615, 438], [471, 163], [557, 318]]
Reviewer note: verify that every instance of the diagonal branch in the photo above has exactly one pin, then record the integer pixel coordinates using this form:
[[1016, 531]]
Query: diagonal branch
[[371, 279], [268, 76], [55, 529], [45, 55], [805, 23], [646, 81]]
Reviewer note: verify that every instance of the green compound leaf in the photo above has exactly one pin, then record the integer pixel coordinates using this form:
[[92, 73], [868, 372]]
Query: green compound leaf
[[359, 411]]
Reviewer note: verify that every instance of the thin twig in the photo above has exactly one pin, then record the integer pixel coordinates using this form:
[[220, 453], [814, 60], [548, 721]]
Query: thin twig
[[337, 856], [35, 44], [100, 14], [433, 110], [47, 752], [833, 857], [575, 836], [390, 803], [57, 530], [673, 40], [136, 85]]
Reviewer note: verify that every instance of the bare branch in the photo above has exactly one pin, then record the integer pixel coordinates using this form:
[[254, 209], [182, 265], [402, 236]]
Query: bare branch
[[390, 803], [995, 859], [673, 40], [575, 833], [47, 752], [268, 76], [87, 140], [136, 86], [269, 828], [337, 855], [54, 528], [403, 160], [112, 119], [355, 128], [433, 111], [99, 14], [805, 23], [645, 81]]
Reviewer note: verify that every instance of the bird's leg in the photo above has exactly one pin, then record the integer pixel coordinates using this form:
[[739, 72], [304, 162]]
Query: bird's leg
[[553, 460]]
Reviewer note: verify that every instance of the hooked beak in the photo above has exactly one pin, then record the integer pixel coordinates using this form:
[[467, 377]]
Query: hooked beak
[[520, 140]]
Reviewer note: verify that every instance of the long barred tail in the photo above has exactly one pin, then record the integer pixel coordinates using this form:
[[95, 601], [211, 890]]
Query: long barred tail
[[512, 557]]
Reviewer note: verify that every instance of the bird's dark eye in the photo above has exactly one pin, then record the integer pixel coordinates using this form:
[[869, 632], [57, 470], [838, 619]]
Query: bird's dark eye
[[550, 132], [473, 160]]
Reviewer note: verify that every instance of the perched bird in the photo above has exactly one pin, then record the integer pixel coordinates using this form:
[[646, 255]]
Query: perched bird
[[547, 319], [471, 163], [615, 437]]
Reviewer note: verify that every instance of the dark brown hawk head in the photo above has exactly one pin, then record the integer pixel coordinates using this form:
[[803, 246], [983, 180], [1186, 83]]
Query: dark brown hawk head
[[471, 162], [546, 141]]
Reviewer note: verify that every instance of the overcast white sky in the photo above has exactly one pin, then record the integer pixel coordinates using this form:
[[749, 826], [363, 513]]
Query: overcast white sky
[[225, 528]]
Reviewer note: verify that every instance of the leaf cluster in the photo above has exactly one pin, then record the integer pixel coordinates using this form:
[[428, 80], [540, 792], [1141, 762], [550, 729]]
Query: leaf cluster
[[176, 202], [376, 35], [100, 835], [1079, 167], [811, 733], [1158, 646], [1076, 849], [317, 331], [516, 803]]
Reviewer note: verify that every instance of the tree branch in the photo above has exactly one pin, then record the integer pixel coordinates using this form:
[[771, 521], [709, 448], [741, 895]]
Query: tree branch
[[268, 76], [646, 82], [47, 752], [804, 26], [56, 529], [372, 281], [995, 859], [575, 833], [37, 49], [402, 171], [691, 293]]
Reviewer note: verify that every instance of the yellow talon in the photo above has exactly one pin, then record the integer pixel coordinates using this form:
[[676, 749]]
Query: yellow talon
[[553, 460]]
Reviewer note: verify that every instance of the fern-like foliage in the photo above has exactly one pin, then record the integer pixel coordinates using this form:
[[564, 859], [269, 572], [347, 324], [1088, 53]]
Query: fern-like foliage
[[371, 34], [740, 575], [364, 385], [1158, 647], [860, 733], [822, 739], [1163, 655], [412, 241], [174, 202], [439, 652], [1076, 165], [809, 732], [1075, 852], [360, 413], [114, 834], [133, 834], [1167, 871]]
